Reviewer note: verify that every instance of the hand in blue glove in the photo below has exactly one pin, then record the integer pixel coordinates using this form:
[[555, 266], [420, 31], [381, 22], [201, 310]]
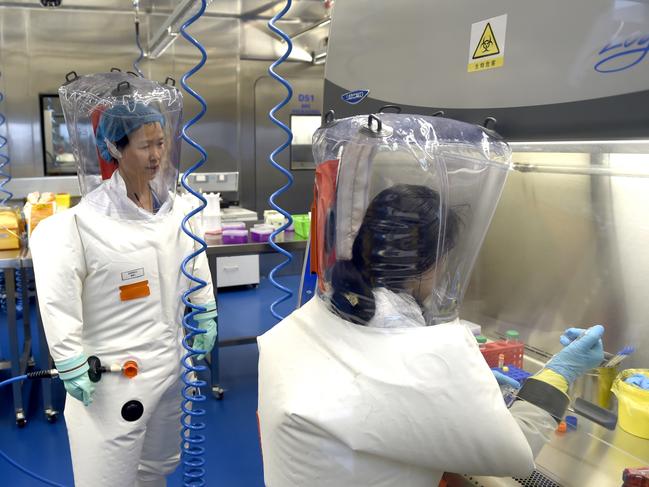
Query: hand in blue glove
[[206, 321], [583, 351], [80, 388], [504, 380], [74, 374], [205, 341], [638, 380]]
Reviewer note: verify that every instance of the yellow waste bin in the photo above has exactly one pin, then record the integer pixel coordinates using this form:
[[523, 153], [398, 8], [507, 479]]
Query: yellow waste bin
[[633, 404]]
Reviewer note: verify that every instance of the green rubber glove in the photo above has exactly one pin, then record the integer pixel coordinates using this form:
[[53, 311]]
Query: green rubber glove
[[206, 321], [74, 374]]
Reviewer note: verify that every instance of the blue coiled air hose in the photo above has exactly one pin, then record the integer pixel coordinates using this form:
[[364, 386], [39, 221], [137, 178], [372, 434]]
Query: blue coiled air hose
[[5, 177], [271, 70], [4, 161], [191, 437]]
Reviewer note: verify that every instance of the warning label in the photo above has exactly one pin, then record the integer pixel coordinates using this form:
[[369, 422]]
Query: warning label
[[487, 44]]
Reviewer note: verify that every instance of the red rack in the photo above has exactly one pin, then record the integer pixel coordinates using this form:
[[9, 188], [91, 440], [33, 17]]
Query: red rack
[[513, 352]]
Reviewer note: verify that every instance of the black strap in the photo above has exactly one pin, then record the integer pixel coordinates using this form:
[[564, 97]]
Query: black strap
[[544, 396]]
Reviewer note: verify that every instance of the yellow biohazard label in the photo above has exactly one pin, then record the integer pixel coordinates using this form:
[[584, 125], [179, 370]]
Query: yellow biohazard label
[[487, 44], [481, 64]]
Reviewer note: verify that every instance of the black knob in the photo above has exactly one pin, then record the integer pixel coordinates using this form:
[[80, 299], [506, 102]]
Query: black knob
[[132, 410], [95, 370]]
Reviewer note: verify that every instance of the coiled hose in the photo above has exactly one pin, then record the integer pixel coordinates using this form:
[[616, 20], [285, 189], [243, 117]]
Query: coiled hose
[[271, 70], [191, 437], [6, 195]]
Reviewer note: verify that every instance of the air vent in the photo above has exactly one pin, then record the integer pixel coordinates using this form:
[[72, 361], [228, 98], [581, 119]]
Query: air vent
[[474, 481], [537, 479]]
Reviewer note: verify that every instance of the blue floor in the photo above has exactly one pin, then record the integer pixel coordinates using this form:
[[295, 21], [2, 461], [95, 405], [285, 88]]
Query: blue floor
[[233, 453]]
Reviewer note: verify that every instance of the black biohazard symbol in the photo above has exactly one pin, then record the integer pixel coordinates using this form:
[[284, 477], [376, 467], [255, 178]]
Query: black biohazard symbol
[[487, 45]]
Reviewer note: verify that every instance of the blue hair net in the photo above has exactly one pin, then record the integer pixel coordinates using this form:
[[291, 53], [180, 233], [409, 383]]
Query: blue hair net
[[121, 120]]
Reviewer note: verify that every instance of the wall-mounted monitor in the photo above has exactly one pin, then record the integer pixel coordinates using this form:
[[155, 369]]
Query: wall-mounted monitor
[[303, 127], [58, 159]]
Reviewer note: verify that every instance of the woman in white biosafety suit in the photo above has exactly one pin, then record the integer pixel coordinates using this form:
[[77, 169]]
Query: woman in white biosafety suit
[[109, 281], [355, 387]]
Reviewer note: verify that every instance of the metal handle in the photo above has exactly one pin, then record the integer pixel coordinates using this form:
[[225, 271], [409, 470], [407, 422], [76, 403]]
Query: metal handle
[[123, 87], [115, 70], [379, 124], [329, 117], [490, 121], [438, 113], [596, 414], [71, 76], [132, 73], [170, 81], [375, 127]]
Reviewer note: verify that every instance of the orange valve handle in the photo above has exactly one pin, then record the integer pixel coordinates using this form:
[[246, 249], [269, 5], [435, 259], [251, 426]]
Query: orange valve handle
[[130, 369]]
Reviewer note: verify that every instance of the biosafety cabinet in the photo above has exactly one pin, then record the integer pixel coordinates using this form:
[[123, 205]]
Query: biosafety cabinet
[[567, 85]]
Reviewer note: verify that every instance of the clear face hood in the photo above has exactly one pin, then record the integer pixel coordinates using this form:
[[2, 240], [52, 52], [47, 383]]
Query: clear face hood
[[403, 202], [125, 135]]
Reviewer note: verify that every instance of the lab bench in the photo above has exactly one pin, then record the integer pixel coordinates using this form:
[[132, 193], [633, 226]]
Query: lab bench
[[590, 456], [238, 264]]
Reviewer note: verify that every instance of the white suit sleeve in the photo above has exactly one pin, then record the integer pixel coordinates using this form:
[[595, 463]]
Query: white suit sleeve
[[60, 269], [202, 271], [536, 424]]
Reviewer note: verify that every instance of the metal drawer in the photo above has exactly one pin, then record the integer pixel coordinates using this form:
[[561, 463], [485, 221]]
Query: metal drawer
[[237, 271]]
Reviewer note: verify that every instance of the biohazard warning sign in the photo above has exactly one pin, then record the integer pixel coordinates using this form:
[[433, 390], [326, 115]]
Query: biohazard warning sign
[[487, 44]]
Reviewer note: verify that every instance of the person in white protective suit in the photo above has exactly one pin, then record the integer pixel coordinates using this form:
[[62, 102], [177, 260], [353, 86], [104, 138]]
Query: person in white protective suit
[[357, 388], [109, 282]]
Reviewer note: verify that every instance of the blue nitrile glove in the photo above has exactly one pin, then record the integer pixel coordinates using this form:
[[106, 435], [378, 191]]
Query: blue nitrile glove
[[74, 374], [583, 351], [639, 380], [205, 341], [504, 380]]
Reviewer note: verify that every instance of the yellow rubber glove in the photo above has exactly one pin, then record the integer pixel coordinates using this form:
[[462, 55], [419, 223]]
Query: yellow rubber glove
[[552, 378]]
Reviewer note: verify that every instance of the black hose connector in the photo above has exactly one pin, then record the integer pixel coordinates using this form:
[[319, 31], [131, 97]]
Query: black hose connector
[[95, 369], [42, 374]]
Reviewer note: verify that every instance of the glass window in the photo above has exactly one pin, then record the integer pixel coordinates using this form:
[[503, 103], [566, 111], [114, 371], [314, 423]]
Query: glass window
[[303, 127], [57, 151]]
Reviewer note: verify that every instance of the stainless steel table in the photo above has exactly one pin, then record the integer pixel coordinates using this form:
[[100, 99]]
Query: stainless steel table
[[589, 456], [19, 357], [215, 248]]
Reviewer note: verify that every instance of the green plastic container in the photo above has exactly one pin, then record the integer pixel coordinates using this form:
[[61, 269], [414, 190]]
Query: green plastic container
[[302, 224]]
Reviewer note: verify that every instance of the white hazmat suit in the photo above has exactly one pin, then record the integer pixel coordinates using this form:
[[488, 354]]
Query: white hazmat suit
[[354, 388], [343, 404], [109, 285]]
